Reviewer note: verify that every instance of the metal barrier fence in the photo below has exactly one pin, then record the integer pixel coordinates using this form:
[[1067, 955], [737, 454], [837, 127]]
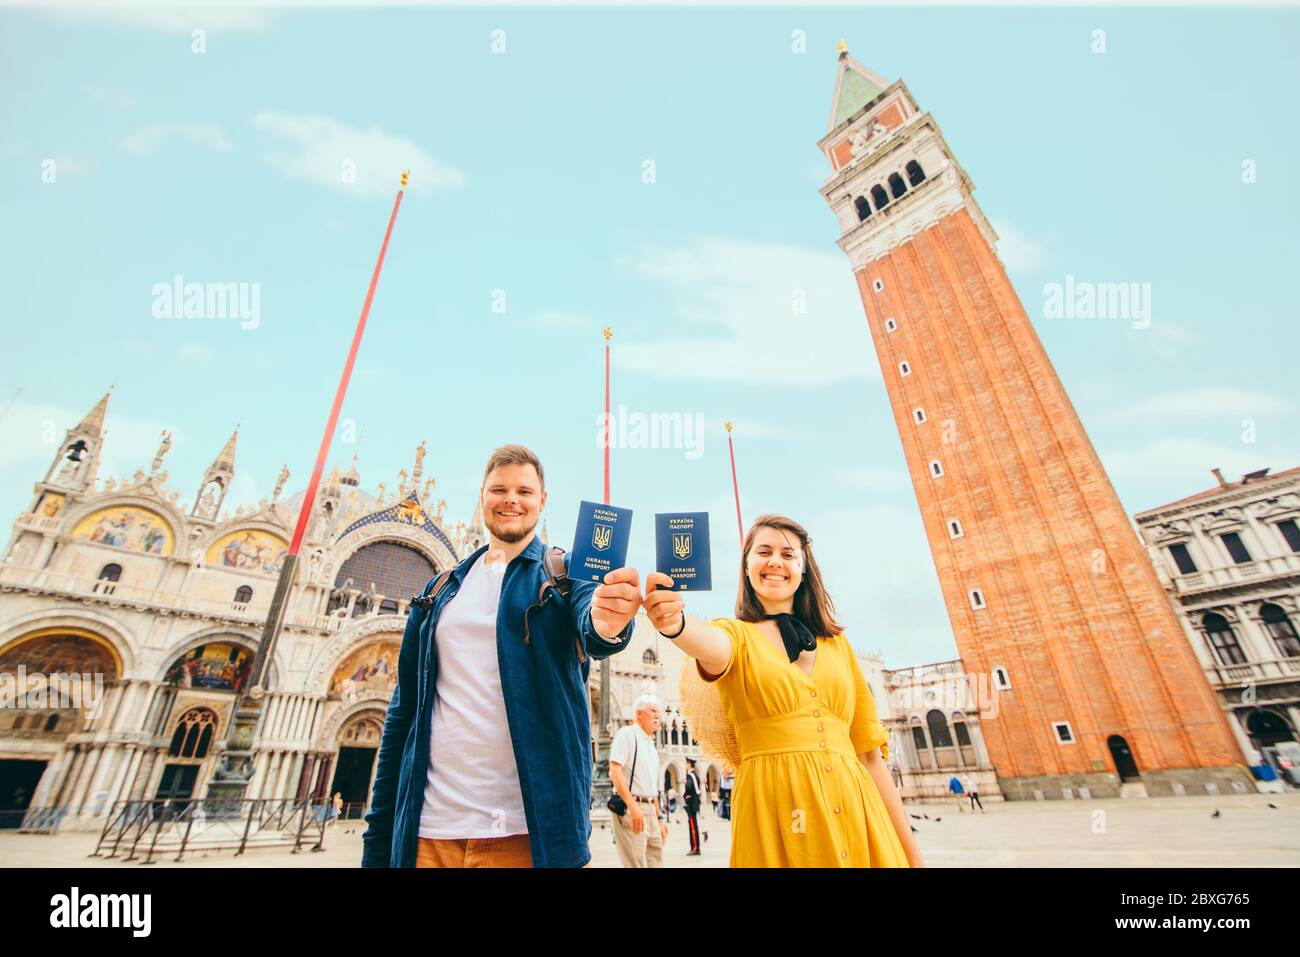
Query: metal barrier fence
[[32, 820], [145, 830]]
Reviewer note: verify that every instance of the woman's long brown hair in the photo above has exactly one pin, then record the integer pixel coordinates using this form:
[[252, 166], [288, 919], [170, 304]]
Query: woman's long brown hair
[[812, 603]]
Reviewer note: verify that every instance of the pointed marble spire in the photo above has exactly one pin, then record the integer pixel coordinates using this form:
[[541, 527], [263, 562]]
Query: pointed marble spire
[[216, 482], [351, 477], [93, 423], [855, 87], [226, 460]]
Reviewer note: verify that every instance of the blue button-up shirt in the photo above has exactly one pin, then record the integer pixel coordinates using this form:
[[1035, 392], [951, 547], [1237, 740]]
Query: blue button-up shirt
[[544, 685]]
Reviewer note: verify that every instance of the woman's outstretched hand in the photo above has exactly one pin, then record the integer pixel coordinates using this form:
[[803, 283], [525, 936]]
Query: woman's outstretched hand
[[664, 608]]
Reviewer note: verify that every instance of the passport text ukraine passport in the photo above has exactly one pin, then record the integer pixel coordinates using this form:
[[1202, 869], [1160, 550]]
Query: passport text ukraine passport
[[682, 549], [600, 542]]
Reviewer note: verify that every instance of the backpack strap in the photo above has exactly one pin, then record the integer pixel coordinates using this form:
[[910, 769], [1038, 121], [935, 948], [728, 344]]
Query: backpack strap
[[425, 599], [557, 577]]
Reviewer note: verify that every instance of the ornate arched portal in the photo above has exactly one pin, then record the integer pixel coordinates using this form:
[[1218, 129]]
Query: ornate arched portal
[[354, 762]]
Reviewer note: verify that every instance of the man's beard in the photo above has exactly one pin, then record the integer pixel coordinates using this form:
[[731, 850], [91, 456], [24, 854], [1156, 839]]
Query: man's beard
[[508, 537]]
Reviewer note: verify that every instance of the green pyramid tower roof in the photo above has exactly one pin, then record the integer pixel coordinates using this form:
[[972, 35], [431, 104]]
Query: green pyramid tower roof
[[855, 87]]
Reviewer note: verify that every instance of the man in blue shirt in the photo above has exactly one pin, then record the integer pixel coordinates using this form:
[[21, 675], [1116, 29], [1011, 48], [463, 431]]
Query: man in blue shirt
[[486, 754]]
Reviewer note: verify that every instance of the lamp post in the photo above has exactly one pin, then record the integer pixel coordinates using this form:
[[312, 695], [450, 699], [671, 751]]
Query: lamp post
[[601, 786]]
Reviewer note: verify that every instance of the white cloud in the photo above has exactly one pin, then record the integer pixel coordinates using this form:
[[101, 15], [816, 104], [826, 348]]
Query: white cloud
[[1181, 466], [745, 429], [71, 166], [1170, 332], [761, 313], [245, 489], [870, 478], [1018, 251], [148, 140], [316, 148], [561, 320], [30, 434], [1194, 404], [877, 566], [160, 17], [108, 97]]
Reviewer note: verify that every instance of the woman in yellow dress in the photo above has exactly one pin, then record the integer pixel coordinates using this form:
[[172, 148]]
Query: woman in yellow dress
[[811, 789]]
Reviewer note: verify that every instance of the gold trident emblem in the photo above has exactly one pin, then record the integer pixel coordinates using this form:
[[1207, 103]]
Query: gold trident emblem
[[406, 177], [682, 545], [601, 537]]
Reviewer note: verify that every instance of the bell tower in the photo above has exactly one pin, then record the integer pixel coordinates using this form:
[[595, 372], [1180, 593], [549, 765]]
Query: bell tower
[[73, 469], [216, 483], [1051, 596]]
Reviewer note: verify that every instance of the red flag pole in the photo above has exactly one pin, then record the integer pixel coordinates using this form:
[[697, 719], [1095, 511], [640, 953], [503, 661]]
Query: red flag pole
[[231, 778], [735, 487], [304, 514], [608, 333]]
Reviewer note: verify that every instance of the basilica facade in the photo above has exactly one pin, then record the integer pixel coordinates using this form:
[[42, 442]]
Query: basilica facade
[[158, 603]]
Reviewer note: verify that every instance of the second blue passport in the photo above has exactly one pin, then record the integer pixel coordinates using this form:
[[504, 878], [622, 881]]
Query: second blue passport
[[600, 542], [682, 549]]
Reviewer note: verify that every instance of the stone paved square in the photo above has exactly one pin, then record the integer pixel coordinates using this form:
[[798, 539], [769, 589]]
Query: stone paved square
[[1152, 832]]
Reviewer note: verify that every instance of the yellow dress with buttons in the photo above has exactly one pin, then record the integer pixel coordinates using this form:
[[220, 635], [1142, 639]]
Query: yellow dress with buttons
[[802, 797]]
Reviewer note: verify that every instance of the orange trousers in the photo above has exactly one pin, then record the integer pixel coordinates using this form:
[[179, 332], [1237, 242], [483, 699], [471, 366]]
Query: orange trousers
[[512, 851]]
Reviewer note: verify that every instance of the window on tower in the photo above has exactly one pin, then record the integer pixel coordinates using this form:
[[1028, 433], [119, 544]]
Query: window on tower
[[863, 207], [954, 528], [243, 595], [936, 468], [1182, 558], [915, 174], [977, 599], [1001, 678], [879, 196], [919, 415], [897, 185], [891, 325], [904, 369], [1236, 547]]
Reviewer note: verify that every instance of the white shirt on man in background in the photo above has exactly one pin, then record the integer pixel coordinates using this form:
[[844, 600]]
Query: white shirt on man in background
[[631, 742]]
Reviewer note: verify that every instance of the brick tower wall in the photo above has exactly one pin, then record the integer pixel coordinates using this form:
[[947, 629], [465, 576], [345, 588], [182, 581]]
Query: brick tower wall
[[1074, 609]]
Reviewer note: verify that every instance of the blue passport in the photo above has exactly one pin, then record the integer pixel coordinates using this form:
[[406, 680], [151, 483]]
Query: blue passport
[[600, 542], [682, 549]]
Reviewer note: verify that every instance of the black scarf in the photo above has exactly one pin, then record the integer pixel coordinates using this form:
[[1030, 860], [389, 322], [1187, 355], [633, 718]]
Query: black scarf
[[796, 636]]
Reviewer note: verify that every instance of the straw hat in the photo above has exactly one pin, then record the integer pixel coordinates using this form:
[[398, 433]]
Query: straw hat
[[707, 718]]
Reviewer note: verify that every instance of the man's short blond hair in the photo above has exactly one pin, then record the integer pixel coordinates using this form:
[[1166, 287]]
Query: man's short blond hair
[[514, 455]]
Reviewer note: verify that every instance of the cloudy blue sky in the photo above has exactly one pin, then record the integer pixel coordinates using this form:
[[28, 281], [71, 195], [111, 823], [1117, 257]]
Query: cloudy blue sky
[[530, 191]]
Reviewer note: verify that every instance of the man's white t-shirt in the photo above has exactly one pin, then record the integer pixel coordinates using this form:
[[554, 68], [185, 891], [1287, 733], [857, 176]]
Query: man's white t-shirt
[[630, 741], [472, 789]]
